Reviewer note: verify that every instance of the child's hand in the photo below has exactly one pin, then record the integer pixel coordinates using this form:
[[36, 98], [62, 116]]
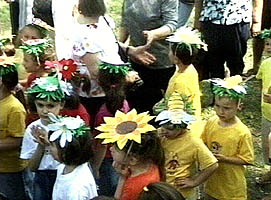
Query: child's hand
[[185, 183], [220, 157], [40, 135], [267, 98], [121, 168]]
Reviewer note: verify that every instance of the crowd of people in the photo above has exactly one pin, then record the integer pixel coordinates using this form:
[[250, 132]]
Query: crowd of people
[[86, 113]]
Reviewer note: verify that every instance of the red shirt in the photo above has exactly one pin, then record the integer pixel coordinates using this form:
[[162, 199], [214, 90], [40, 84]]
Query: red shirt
[[80, 111], [133, 186], [30, 79]]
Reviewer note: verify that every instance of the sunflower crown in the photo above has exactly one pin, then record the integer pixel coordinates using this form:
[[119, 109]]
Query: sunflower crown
[[51, 88], [178, 112], [124, 127], [116, 69], [265, 34], [66, 128], [7, 64], [230, 87], [36, 47], [185, 37]]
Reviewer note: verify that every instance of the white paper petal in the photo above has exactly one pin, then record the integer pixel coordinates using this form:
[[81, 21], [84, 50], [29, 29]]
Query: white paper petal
[[55, 135], [63, 140], [164, 115], [69, 136], [53, 118]]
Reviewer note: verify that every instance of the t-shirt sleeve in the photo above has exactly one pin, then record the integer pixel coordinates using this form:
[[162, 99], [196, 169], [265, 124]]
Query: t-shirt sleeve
[[16, 123], [246, 151], [29, 146], [169, 9], [205, 158]]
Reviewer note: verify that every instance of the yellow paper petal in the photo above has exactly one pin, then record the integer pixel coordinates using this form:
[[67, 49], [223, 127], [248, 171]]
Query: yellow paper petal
[[109, 120], [122, 142], [233, 81]]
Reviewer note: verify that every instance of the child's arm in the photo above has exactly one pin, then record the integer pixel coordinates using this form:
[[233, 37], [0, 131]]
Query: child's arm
[[201, 178], [34, 162], [230, 160], [99, 155], [10, 143]]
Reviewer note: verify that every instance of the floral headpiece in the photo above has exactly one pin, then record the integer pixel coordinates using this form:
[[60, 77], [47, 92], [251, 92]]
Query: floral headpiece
[[187, 38], [7, 64], [116, 69], [66, 67], [124, 127], [178, 112], [230, 87], [265, 34], [42, 24], [66, 128], [4, 42], [51, 88], [36, 47]]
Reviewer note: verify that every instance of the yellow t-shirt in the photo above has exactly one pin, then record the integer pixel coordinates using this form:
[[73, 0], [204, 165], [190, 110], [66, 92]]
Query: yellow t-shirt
[[186, 83], [182, 154], [264, 73], [12, 124], [19, 56], [228, 182]]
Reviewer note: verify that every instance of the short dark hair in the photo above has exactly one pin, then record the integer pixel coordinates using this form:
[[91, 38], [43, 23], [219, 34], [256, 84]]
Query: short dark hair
[[76, 152], [10, 79], [184, 53], [92, 8], [160, 191]]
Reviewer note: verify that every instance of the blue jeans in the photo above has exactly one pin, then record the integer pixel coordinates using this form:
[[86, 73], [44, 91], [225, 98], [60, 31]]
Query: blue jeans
[[44, 181], [12, 186], [184, 12], [108, 178]]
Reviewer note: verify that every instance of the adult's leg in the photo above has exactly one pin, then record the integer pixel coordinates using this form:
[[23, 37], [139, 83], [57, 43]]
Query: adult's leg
[[14, 16], [258, 44], [215, 57], [184, 12], [236, 37], [12, 185], [155, 80]]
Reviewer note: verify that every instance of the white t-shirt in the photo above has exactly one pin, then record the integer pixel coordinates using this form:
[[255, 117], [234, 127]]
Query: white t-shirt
[[29, 147], [77, 185]]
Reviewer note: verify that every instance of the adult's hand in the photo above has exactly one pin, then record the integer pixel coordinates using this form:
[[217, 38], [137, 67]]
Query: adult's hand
[[140, 55], [255, 29]]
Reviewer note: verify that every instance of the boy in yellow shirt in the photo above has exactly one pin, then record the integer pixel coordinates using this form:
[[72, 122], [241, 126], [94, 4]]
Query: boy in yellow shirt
[[184, 47], [230, 141], [183, 151]]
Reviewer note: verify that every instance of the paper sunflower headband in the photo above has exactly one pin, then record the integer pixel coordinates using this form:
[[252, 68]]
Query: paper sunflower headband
[[51, 88], [7, 64], [124, 127], [187, 38], [36, 47], [230, 87], [66, 128], [116, 69], [265, 34], [179, 112], [66, 67]]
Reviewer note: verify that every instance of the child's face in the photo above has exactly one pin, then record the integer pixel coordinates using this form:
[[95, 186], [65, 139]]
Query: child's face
[[169, 133], [45, 107], [54, 151], [29, 34], [267, 46], [30, 64], [117, 154], [226, 108]]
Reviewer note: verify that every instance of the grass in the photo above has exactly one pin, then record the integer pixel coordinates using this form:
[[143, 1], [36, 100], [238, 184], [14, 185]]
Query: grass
[[250, 114]]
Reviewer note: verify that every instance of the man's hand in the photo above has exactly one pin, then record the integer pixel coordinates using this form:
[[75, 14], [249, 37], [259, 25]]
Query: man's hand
[[255, 29], [140, 55]]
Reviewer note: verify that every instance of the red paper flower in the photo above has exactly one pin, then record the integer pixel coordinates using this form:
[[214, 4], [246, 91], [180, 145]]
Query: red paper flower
[[53, 65], [68, 68]]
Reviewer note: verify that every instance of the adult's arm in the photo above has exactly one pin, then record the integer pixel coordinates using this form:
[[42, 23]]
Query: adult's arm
[[91, 60], [198, 9], [257, 17]]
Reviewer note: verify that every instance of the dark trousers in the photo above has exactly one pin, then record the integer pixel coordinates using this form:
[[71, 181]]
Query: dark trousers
[[14, 16], [226, 43], [155, 80]]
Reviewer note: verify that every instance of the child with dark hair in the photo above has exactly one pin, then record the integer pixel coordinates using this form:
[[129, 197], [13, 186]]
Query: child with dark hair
[[137, 152], [184, 47], [12, 126], [160, 191], [48, 94], [71, 146], [112, 79]]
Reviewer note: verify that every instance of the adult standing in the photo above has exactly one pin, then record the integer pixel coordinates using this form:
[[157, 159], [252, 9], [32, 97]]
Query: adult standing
[[149, 22], [184, 11], [226, 28], [14, 15]]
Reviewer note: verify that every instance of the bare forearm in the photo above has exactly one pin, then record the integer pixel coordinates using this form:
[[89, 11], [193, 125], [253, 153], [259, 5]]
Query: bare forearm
[[119, 187], [198, 8], [234, 160], [34, 162], [257, 11], [205, 174], [99, 156], [123, 35], [10, 143], [161, 33]]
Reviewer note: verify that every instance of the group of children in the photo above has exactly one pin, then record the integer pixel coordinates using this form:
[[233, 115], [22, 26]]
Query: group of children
[[118, 152]]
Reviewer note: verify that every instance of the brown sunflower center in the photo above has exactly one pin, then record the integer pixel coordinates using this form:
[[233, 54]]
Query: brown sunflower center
[[126, 127]]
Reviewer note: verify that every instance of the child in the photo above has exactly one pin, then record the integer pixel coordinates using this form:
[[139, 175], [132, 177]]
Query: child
[[184, 47], [48, 95], [160, 191], [12, 125], [36, 52], [230, 141], [183, 151], [264, 74], [70, 145], [112, 79], [137, 152]]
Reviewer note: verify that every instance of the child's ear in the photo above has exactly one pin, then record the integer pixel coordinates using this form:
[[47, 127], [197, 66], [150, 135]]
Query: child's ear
[[240, 105], [133, 160]]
